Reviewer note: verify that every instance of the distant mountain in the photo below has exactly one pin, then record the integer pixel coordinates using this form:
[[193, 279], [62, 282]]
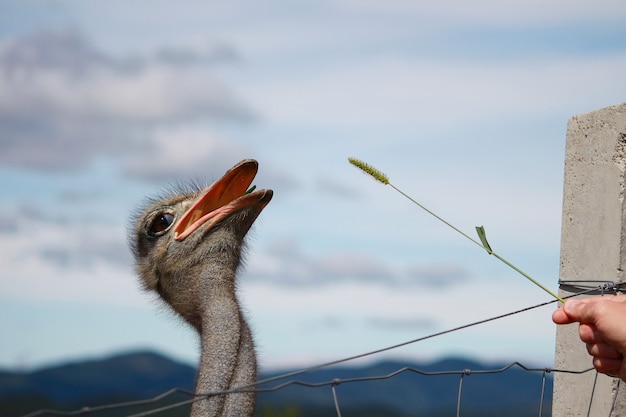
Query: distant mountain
[[144, 375], [125, 377]]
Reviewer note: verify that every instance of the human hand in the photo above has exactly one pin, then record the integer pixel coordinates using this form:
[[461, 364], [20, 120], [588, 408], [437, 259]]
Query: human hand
[[602, 327]]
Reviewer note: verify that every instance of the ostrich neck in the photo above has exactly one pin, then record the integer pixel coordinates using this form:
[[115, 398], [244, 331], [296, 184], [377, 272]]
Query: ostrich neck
[[227, 358]]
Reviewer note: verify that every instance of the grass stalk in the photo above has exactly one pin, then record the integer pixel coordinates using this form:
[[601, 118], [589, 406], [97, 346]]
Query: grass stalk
[[483, 243]]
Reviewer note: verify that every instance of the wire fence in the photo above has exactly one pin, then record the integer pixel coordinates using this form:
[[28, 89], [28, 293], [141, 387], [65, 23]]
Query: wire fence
[[333, 384], [282, 381]]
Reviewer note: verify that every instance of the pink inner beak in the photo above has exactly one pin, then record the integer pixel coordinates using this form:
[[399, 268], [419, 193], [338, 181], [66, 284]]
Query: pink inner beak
[[220, 199]]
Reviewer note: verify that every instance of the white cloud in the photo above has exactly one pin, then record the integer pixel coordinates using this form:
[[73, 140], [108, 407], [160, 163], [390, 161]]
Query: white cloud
[[183, 151], [285, 264], [289, 324], [64, 102], [491, 12], [47, 259], [154, 94], [401, 90]]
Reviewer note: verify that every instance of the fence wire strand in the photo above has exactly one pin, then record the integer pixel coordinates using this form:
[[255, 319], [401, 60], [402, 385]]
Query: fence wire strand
[[257, 386], [458, 397], [543, 392], [335, 401]]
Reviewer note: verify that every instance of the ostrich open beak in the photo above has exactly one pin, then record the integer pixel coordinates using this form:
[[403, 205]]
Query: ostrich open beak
[[222, 198]]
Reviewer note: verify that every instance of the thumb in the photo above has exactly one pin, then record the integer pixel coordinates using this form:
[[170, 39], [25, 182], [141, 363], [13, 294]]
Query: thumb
[[579, 311]]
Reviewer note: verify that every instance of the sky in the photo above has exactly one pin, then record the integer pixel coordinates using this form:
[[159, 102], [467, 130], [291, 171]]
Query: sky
[[464, 105]]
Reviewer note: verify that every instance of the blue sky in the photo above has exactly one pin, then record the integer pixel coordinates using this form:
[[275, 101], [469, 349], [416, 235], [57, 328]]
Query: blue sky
[[463, 105]]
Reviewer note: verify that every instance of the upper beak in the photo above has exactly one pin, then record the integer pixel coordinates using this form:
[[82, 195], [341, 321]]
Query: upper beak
[[222, 198]]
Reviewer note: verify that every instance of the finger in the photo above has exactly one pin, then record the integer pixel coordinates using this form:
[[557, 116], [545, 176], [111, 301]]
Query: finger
[[610, 367], [560, 317], [578, 310], [589, 334], [588, 309], [602, 350], [619, 298]]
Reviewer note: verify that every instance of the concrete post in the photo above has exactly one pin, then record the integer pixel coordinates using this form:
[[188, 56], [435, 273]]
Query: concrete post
[[593, 247]]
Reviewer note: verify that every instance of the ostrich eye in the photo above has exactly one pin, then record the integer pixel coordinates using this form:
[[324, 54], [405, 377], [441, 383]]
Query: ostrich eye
[[160, 223]]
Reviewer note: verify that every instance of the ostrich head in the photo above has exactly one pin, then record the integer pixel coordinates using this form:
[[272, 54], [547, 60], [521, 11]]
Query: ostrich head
[[189, 244]]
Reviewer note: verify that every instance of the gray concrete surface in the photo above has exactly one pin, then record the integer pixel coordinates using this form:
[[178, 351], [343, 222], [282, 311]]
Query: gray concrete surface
[[593, 247]]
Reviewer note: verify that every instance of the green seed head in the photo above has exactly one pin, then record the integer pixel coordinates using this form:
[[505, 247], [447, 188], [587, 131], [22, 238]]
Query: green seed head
[[379, 176]]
